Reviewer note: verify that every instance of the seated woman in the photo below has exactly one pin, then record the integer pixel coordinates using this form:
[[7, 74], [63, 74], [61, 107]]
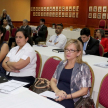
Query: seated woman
[[103, 41], [4, 49], [72, 77], [5, 24], [20, 62]]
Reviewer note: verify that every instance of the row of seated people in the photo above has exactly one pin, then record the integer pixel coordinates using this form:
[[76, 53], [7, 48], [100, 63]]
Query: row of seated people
[[90, 45], [71, 80]]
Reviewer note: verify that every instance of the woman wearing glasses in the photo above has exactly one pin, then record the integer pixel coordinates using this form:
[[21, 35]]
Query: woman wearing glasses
[[72, 77]]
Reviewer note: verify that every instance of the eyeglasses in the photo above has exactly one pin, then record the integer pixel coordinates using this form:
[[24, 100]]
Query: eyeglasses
[[71, 50]]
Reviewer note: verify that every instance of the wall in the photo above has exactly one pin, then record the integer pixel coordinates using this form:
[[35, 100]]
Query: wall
[[95, 22], [17, 9], [82, 20]]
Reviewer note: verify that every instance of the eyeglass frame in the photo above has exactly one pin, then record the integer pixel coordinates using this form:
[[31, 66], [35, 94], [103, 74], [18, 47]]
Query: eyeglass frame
[[71, 50]]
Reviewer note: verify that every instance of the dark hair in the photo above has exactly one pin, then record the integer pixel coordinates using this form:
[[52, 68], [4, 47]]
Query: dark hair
[[85, 31], [43, 20], [2, 30], [60, 25], [26, 34], [102, 32]]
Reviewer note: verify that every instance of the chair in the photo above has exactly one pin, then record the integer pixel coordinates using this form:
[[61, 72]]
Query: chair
[[101, 50], [103, 93], [92, 78], [44, 42], [6, 35], [39, 64], [13, 32], [102, 24], [50, 67]]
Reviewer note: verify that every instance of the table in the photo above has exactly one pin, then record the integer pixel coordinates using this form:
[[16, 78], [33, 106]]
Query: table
[[99, 72], [69, 34], [24, 98]]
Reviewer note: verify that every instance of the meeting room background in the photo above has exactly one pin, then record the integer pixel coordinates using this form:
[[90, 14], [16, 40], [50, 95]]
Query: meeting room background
[[22, 9]]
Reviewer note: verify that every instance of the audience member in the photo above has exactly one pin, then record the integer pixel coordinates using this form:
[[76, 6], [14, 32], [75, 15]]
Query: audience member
[[5, 25], [20, 62], [90, 45], [41, 32], [103, 41], [3, 16], [72, 77], [58, 40], [26, 26], [3, 49]]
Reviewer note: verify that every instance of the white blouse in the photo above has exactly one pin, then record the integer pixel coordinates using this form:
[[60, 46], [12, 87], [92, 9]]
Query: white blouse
[[24, 53]]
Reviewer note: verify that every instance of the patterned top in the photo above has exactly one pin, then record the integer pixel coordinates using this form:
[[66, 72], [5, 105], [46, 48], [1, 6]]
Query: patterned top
[[81, 77]]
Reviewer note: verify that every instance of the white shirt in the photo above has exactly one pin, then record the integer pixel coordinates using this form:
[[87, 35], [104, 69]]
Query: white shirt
[[24, 53], [61, 41], [86, 47], [7, 27]]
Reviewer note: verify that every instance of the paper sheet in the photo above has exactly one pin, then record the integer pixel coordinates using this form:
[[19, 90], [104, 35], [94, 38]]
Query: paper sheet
[[102, 64], [11, 85], [49, 94]]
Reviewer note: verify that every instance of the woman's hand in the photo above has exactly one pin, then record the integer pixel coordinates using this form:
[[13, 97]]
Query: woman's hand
[[61, 94], [59, 99]]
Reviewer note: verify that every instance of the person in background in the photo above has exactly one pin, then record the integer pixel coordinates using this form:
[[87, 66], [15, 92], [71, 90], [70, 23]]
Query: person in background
[[72, 78], [58, 40], [4, 49], [20, 62], [26, 26], [90, 45], [41, 32], [100, 34], [5, 25], [3, 16]]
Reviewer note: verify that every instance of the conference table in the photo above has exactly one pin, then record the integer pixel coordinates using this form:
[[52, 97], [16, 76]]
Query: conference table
[[74, 34], [99, 72], [24, 98]]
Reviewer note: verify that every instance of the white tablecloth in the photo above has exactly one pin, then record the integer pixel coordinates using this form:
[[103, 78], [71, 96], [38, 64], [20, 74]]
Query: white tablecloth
[[24, 98], [99, 72]]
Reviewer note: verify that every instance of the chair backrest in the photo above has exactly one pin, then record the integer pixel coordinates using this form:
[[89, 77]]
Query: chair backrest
[[50, 67], [38, 64], [6, 35], [92, 78], [103, 93], [101, 50], [13, 32], [102, 24]]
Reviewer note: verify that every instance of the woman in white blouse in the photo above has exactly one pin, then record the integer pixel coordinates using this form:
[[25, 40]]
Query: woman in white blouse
[[20, 62]]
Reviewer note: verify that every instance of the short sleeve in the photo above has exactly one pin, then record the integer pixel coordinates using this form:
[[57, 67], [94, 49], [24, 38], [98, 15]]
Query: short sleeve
[[9, 53], [55, 73], [86, 76], [30, 54]]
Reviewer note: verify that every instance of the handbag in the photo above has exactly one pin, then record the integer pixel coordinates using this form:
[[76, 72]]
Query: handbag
[[41, 85], [85, 103]]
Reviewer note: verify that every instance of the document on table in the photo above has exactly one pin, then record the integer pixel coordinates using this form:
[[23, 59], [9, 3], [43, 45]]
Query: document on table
[[11, 85], [102, 64], [27, 99], [49, 94]]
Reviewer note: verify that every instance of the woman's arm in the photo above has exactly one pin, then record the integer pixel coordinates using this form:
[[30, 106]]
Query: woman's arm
[[18, 65], [4, 51], [79, 93], [59, 93], [4, 65]]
